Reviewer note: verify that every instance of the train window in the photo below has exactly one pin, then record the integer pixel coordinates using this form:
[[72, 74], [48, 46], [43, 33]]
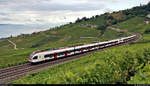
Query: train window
[[101, 44], [62, 53], [35, 57], [70, 51], [85, 48], [77, 50], [48, 55]]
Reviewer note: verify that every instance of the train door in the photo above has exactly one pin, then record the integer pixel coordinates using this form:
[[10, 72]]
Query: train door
[[81, 50], [88, 48], [100, 47], [55, 55], [41, 58], [105, 45], [66, 53]]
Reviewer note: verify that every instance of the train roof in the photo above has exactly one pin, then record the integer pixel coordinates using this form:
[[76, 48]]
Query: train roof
[[53, 50]]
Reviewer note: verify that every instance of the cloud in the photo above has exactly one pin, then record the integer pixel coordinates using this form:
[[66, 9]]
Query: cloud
[[114, 1], [54, 11], [47, 5], [46, 11], [17, 16], [22, 1], [38, 17], [59, 5]]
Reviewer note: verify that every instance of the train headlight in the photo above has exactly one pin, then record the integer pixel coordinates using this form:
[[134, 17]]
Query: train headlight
[[29, 59]]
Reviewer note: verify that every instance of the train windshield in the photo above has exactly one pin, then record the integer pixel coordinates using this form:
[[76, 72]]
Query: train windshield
[[35, 57]]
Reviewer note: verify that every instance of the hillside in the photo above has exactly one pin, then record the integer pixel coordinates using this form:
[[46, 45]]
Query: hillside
[[116, 65], [63, 36], [125, 64], [123, 60]]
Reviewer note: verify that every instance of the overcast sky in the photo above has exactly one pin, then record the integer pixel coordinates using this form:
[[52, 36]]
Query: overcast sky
[[58, 11], [38, 15]]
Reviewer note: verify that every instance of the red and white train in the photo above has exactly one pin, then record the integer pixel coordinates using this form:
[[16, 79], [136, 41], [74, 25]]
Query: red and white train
[[44, 55]]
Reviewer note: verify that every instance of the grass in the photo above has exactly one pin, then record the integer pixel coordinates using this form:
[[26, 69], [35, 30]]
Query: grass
[[135, 24], [142, 76]]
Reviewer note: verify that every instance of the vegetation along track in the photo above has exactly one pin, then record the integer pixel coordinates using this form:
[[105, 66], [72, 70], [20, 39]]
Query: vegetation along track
[[14, 73]]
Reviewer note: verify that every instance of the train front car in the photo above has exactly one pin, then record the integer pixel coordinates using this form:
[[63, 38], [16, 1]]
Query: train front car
[[30, 57], [33, 58]]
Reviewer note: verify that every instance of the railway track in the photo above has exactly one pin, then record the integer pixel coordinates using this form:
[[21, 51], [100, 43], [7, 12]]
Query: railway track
[[13, 73]]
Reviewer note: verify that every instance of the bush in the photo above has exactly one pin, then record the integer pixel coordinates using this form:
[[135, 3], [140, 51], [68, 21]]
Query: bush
[[147, 31]]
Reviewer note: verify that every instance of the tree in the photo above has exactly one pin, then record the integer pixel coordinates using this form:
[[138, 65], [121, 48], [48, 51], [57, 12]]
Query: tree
[[96, 16], [11, 36], [147, 31], [109, 17], [84, 19], [70, 22], [78, 20]]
